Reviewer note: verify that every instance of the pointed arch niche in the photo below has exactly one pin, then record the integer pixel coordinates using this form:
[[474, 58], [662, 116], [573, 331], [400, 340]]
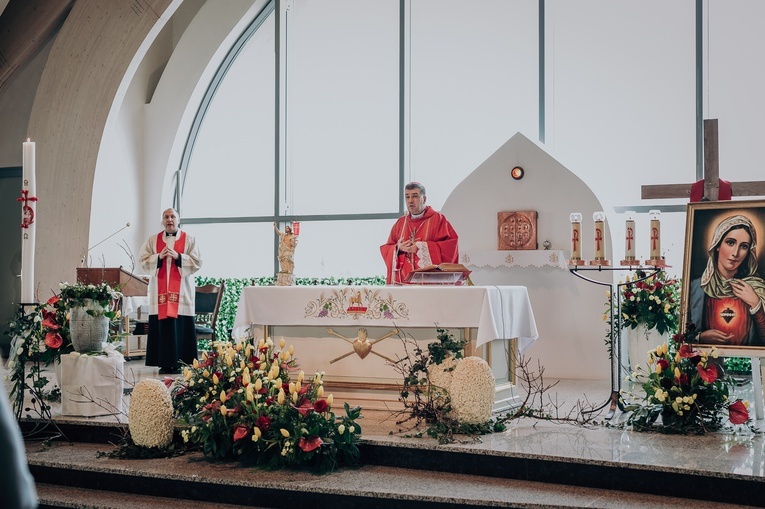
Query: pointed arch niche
[[567, 310]]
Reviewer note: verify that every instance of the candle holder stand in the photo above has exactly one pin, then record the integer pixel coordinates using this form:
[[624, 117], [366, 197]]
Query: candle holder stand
[[578, 262], [631, 263], [656, 262], [614, 401], [600, 263]]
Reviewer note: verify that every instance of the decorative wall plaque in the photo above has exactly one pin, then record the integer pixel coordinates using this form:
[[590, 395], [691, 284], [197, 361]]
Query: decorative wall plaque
[[517, 230]]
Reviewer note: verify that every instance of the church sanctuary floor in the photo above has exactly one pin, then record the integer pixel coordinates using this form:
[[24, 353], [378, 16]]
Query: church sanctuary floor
[[532, 464]]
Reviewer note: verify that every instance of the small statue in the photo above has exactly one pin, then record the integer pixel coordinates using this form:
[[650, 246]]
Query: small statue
[[287, 243]]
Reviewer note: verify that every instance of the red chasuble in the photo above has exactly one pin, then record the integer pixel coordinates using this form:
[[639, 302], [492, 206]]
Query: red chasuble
[[169, 290], [728, 315], [432, 228]]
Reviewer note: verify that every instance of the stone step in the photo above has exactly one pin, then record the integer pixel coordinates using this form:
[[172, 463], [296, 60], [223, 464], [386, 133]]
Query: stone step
[[74, 473]]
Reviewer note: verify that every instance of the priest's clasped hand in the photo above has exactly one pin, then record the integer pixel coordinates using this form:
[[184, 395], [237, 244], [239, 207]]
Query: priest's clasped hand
[[407, 246], [168, 253]]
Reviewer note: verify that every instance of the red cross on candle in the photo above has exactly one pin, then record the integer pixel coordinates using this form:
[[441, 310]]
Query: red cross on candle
[[598, 238], [630, 238], [27, 214], [654, 237], [575, 239]]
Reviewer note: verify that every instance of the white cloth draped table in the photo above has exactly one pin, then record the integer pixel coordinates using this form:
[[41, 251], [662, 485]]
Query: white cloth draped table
[[554, 258], [92, 385], [498, 312]]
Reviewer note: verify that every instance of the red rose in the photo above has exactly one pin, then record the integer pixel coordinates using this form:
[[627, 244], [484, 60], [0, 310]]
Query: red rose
[[678, 338], [737, 412], [240, 432], [663, 364], [320, 406], [309, 444], [53, 340], [708, 374], [263, 423]]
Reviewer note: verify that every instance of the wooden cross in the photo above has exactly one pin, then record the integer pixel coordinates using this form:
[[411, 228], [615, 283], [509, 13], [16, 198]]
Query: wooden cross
[[711, 175]]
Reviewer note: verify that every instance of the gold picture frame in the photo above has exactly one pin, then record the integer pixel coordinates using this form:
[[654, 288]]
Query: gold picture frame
[[715, 288]]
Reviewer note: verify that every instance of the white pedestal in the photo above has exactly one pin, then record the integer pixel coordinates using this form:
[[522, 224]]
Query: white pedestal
[[92, 385]]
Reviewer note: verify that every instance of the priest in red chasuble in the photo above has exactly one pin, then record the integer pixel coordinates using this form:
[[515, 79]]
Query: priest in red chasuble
[[420, 238], [171, 257], [728, 303]]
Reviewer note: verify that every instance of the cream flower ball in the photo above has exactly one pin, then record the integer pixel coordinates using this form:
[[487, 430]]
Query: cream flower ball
[[440, 377], [472, 391], [150, 416]]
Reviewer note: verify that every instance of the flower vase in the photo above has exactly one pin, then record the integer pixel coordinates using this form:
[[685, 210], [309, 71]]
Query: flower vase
[[89, 331], [639, 341]]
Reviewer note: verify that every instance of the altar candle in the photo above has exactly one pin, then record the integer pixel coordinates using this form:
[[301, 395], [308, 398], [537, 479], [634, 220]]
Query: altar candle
[[28, 211], [576, 235], [655, 234], [629, 236], [599, 218]]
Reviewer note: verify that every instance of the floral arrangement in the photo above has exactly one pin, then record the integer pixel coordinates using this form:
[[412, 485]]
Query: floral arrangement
[[248, 403], [150, 417], [652, 301], [40, 336], [687, 388]]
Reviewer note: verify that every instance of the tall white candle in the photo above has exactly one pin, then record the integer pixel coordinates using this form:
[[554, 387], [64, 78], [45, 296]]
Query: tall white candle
[[28, 212], [600, 239], [629, 236], [576, 236], [655, 234]]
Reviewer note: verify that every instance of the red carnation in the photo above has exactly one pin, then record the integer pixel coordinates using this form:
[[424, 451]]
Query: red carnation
[[708, 374], [309, 444], [737, 413], [320, 406], [53, 340], [240, 432]]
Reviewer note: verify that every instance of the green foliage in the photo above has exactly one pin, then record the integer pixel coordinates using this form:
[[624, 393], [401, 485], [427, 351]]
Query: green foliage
[[738, 365], [652, 301]]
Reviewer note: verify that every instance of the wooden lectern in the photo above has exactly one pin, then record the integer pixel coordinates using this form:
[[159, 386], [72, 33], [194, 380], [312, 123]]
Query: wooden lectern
[[129, 285]]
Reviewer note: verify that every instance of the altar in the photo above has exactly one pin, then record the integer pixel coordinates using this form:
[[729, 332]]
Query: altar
[[324, 324]]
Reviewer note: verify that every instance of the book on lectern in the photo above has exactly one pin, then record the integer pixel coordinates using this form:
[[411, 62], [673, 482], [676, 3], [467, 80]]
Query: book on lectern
[[442, 274]]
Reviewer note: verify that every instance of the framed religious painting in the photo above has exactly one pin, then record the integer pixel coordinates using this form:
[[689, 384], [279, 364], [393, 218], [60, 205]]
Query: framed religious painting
[[723, 295]]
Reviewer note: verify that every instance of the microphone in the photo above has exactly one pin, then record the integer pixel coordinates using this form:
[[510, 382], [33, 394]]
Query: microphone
[[110, 236]]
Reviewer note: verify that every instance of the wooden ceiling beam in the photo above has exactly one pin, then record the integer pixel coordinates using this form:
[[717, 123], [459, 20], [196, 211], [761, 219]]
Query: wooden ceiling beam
[[25, 27]]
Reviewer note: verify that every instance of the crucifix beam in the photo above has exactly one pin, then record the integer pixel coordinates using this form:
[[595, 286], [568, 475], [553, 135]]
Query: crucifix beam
[[711, 176]]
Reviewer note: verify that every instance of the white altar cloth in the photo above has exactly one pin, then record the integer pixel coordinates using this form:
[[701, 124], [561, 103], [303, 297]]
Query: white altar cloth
[[92, 385], [498, 312]]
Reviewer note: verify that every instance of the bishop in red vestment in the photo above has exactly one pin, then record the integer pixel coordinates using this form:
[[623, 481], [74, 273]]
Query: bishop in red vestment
[[420, 238]]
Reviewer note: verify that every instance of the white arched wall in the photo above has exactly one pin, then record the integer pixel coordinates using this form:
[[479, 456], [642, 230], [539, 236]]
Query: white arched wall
[[568, 310], [144, 139]]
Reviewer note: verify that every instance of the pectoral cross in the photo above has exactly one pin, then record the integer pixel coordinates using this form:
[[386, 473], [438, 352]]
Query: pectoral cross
[[712, 184]]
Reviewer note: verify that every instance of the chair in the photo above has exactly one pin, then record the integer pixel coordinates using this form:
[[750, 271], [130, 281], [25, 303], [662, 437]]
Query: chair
[[206, 306]]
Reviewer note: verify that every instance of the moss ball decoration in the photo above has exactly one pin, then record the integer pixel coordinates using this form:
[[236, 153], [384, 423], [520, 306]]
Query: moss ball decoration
[[472, 391], [150, 417]]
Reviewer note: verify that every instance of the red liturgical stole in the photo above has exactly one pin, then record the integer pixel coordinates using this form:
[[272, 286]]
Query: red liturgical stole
[[169, 289], [729, 315]]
